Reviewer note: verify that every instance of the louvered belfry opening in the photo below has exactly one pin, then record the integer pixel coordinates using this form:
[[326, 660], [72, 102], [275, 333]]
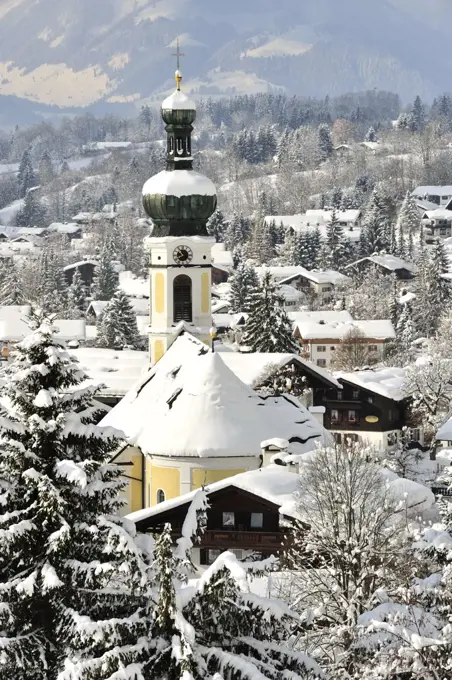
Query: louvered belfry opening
[[182, 300]]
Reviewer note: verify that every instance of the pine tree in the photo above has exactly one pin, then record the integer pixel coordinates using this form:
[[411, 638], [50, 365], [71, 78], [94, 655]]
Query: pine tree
[[45, 170], [105, 278], [406, 331], [25, 177], [260, 247], [74, 584], [118, 325], [418, 114], [76, 297], [10, 284], [216, 226], [268, 328], [243, 283], [408, 225], [335, 244], [325, 142], [32, 213]]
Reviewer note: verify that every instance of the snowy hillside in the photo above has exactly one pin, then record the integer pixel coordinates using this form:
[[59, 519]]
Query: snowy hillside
[[75, 52]]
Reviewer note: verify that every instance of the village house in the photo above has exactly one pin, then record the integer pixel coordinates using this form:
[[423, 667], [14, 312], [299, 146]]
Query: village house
[[373, 406], [316, 284], [386, 264], [321, 333], [439, 195], [437, 224]]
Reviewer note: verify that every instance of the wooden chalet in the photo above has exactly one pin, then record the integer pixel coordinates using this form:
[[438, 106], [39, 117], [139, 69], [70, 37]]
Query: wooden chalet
[[244, 515]]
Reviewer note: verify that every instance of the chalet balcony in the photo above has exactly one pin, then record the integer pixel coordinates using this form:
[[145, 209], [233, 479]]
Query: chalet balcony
[[246, 540]]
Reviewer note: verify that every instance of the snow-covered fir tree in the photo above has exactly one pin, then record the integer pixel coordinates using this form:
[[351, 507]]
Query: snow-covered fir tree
[[243, 283], [337, 246], [260, 247], [268, 328], [74, 584], [11, 290], [25, 177], [217, 225], [76, 297], [32, 213], [325, 142], [408, 224], [105, 278], [117, 327]]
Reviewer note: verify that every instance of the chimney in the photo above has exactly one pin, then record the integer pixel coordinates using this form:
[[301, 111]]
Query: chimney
[[318, 412]]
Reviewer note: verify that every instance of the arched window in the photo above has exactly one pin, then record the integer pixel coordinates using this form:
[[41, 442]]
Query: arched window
[[182, 304], [179, 146], [160, 496]]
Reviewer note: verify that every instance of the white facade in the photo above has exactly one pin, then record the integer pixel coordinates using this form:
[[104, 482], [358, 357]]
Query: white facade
[[322, 352], [170, 258], [381, 441]]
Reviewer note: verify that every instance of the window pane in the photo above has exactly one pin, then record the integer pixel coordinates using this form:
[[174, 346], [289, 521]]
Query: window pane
[[257, 520], [228, 519]]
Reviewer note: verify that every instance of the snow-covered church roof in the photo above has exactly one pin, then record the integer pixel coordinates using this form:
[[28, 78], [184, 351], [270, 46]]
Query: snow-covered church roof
[[190, 404]]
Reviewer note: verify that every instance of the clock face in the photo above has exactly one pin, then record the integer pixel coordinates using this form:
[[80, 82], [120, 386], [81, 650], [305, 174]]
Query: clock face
[[182, 255]]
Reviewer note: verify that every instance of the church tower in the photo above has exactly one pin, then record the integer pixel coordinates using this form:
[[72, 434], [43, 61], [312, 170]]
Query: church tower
[[179, 201]]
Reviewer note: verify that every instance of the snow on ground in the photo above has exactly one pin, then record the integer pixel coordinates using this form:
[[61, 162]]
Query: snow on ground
[[8, 214]]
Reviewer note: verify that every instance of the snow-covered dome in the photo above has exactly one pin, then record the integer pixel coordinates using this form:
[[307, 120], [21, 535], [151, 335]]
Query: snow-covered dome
[[179, 183], [178, 100]]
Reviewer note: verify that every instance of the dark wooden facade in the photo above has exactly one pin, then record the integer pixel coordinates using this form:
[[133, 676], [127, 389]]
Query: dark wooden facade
[[353, 407], [86, 270], [265, 540]]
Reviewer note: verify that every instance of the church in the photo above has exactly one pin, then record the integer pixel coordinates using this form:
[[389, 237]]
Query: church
[[190, 420]]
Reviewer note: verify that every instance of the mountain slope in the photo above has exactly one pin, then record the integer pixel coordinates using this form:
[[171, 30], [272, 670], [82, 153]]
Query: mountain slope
[[77, 52]]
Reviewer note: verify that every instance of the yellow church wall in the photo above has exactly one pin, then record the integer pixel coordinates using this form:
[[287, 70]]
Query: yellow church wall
[[205, 293], [203, 477], [159, 350], [167, 479], [159, 293]]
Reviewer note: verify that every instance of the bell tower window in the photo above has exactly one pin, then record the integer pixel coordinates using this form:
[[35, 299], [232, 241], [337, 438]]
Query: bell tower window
[[179, 146], [182, 299]]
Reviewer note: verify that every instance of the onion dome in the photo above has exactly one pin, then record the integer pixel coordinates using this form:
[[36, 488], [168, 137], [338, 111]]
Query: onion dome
[[179, 200]]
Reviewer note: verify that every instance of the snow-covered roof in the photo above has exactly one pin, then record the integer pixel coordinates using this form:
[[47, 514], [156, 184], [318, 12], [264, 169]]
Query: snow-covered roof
[[280, 273], [273, 483], [134, 286], [15, 328], [178, 100], [390, 262], [376, 329], [439, 214], [388, 382], [278, 485], [289, 293], [190, 404], [325, 276], [76, 265], [313, 218], [445, 190], [251, 367], [444, 433], [179, 183], [118, 371], [61, 228], [324, 316]]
